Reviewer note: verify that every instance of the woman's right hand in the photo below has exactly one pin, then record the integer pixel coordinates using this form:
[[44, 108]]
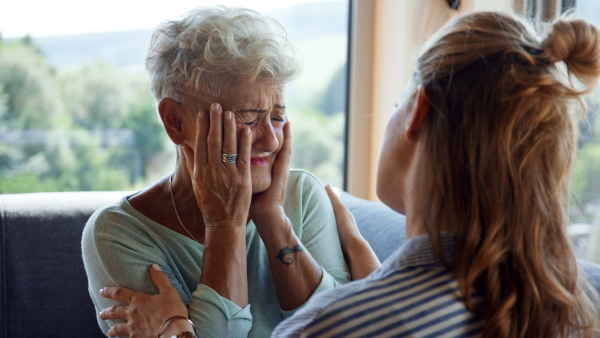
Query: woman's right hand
[[223, 190], [358, 253]]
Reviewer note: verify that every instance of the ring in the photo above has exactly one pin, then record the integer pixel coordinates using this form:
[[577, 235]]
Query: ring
[[229, 158]]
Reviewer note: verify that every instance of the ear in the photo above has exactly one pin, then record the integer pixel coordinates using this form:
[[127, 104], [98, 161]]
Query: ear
[[170, 114], [420, 110]]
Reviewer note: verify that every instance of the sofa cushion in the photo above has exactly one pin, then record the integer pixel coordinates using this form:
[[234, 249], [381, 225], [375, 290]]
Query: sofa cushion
[[381, 226], [42, 280], [592, 273]]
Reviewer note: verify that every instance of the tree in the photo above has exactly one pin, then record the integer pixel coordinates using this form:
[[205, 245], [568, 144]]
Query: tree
[[44, 149], [31, 100], [28, 101], [318, 144], [97, 96], [3, 104], [149, 133], [333, 99]]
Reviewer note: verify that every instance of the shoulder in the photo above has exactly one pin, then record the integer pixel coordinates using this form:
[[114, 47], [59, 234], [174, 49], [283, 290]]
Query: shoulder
[[103, 218], [114, 223], [305, 185], [304, 191], [326, 310], [419, 302], [303, 178]]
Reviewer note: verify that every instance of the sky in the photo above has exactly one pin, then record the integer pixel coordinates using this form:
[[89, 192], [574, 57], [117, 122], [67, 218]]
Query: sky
[[44, 18]]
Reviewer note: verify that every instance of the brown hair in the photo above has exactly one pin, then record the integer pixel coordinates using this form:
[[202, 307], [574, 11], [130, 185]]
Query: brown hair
[[500, 140]]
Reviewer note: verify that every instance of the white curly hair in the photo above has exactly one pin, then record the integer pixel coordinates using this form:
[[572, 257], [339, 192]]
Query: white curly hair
[[201, 57]]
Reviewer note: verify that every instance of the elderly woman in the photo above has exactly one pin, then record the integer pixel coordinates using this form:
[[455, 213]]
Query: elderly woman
[[477, 156], [243, 240]]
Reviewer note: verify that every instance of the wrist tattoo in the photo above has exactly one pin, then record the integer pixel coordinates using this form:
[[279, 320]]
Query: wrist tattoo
[[286, 251]]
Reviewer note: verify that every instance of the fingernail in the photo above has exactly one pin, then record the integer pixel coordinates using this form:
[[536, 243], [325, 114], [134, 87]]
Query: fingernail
[[100, 314], [228, 115], [216, 106], [101, 290], [156, 267], [328, 186], [201, 113]]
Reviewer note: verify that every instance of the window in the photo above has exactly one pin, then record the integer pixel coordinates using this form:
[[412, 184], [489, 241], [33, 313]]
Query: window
[[76, 114], [584, 230], [585, 213]]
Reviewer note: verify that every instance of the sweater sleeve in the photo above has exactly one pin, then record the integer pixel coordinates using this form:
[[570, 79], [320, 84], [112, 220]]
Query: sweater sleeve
[[318, 233], [216, 316], [118, 252]]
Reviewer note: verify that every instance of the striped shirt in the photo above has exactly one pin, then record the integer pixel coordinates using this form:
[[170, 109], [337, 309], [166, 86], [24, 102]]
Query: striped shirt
[[412, 294]]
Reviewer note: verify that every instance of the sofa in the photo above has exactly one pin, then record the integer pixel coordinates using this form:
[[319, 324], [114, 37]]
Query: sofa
[[43, 285]]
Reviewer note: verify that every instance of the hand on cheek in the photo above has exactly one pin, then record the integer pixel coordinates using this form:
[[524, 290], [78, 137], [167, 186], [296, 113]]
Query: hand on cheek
[[269, 203], [222, 189]]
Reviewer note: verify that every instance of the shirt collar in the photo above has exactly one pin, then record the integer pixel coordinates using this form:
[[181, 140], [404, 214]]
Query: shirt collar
[[420, 252]]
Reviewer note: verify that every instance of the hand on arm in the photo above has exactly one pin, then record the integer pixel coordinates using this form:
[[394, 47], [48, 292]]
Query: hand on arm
[[295, 272], [144, 314], [358, 253], [223, 192]]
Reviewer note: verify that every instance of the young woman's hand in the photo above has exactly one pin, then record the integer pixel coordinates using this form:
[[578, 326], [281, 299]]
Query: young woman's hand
[[358, 253], [223, 190], [267, 206], [144, 314]]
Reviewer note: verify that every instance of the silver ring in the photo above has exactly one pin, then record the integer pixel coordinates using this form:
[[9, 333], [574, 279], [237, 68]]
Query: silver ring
[[229, 158]]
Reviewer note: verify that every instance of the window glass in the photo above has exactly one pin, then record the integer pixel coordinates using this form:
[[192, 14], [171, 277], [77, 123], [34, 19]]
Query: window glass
[[585, 211], [75, 109]]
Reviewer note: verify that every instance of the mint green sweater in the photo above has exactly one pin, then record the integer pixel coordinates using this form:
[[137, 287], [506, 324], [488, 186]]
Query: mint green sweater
[[119, 245]]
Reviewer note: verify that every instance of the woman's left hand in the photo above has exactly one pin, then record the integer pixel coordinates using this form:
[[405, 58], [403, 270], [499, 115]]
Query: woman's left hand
[[144, 313], [292, 266], [268, 205]]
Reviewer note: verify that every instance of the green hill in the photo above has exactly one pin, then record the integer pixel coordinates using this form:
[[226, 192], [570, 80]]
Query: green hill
[[126, 49]]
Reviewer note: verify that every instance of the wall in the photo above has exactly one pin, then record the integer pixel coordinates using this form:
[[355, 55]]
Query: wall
[[385, 37]]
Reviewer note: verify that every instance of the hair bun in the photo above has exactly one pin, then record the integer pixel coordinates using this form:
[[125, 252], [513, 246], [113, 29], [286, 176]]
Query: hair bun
[[577, 43]]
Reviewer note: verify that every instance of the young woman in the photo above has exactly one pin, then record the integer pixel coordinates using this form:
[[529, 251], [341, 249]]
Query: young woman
[[478, 156]]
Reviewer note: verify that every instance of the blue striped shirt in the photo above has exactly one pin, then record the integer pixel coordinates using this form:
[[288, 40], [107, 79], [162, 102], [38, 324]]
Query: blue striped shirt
[[412, 294]]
